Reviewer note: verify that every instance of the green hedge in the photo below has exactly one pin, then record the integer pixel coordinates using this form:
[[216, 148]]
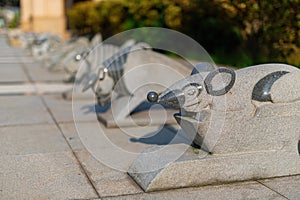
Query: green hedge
[[234, 32]]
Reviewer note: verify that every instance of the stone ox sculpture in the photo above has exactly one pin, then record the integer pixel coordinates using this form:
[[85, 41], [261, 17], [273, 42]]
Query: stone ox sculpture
[[124, 79], [245, 122]]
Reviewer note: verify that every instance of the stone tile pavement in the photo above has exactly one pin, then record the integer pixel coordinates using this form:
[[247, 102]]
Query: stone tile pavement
[[42, 156]]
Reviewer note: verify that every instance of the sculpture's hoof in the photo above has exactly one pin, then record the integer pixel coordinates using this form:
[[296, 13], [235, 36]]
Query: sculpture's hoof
[[152, 97]]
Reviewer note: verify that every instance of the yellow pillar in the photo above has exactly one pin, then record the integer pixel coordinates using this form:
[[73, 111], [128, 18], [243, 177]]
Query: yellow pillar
[[44, 16], [26, 14]]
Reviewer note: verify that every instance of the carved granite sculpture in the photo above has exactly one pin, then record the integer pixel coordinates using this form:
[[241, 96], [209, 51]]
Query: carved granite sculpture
[[251, 100], [124, 80], [89, 61], [245, 122], [72, 60], [44, 44], [54, 58]]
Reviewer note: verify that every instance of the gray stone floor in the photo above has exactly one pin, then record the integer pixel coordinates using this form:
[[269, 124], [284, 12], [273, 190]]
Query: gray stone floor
[[42, 157]]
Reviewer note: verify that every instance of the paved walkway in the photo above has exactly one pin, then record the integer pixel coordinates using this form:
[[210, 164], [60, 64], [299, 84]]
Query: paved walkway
[[41, 156]]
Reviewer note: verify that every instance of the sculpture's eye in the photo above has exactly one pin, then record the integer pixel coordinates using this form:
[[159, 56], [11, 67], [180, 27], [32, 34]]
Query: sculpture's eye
[[78, 57], [193, 89]]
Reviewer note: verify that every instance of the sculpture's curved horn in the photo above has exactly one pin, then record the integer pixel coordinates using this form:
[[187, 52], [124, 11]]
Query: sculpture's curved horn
[[262, 89], [211, 76]]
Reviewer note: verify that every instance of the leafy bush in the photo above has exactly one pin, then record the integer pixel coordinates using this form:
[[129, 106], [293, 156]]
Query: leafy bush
[[234, 32], [271, 30], [84, 19], [15, 22]]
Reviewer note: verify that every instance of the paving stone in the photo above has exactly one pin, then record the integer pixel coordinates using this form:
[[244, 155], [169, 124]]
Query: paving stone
[[16, 59], [43, 176], [10, 65], [111, 144], [118, 148], [16, 56], [107, 181], [25, 58], [10, 60], [12, 73], [237, 191], [38, 72], [62, 109], [18, 110], [287, 186], [71, 135], [7, 52], [31, 139], [33, 88]]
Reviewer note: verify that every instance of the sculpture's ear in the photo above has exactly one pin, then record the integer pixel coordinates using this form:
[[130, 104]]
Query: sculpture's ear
[[262, 89], [202, 67], [278, 87], [219, 81]]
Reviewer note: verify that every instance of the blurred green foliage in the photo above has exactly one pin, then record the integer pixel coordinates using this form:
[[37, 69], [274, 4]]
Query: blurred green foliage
[[234, 32], [15, 22]]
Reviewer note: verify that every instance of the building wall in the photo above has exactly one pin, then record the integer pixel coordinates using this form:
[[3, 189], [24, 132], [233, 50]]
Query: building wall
[[45, 16]]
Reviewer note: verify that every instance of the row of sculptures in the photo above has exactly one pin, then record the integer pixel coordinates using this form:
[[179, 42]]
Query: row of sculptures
[[246, 101], [244, 123]]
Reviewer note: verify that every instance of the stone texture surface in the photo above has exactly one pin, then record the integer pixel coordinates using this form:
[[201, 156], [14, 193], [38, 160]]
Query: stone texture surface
[[200, 168], [17, 57], [287, 186], [43, 176], [17, 110], [245, 140], [16, 60], [244, 118], [70, 133], [33, 89], [31, 139], [142, 69], [107, 181], [237, 191], [12, 73], [62, 109], [95, 136], [133, 139], [38, 72]]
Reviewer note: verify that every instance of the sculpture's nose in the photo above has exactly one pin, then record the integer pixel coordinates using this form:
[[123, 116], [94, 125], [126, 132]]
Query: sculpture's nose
[[152, 97], [174, 99]]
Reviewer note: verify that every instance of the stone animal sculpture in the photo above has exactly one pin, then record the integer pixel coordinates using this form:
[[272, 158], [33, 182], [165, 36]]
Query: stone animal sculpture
[[53, 61], [44, 44], [89, 61], [246, 123], [102, 52], [109, 73], [225, 111], [72, 60], [124, 78]]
